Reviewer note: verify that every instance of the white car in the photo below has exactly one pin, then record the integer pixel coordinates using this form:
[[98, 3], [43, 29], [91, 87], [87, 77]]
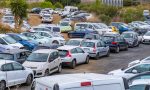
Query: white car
[[47, 18], [53, 38], [7, 20], [80, 81], [44, 62], [139, 61], [25, 26], [146, 38], [13, 73], [7, 40], [73, 55], [74, 42], [42, 13], [131, 71]]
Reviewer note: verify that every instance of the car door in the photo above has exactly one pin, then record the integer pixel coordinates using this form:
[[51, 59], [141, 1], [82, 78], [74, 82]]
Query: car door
[[105, 48], [100, 48], [56, 60], [75, 55], [81, 53], [51, 62], [20, 73], [9, 73]]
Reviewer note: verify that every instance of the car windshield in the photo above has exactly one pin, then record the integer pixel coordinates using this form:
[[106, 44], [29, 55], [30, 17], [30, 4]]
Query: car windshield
[[73, 42], [6, 56], [64, 24], [147, 34], [88, 44], [127, 35], [9, 40], [63, 53], [38, 57], [97, 27], [46, 16]]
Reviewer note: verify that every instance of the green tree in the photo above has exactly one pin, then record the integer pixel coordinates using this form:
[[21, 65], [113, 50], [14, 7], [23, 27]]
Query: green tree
[[46, 5], [58, 5], [19, 9]]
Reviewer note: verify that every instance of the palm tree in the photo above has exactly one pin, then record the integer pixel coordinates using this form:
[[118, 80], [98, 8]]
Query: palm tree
[[19, 9]]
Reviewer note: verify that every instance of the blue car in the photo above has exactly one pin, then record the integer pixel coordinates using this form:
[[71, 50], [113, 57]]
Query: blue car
[[80, 33], [121, 26], [29, 45]]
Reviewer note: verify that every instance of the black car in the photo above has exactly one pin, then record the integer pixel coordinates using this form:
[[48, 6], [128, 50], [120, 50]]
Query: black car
[[115, 42], [36, 10]]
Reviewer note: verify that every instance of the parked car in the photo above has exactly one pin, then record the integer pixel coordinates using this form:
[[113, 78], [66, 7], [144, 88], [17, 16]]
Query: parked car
[[7, 40], [115, 42], [36, 10], [146, 38], [93, 37], [131, 71], [95, 48], [53, 38], [47, 18], [73, 55], [18, 55], [65, 26], [44, 62], [13, 73], [68, 10], [29, 45], [36, 37], [80, 33], [132, 38], [81, 81], [74, 42], [53, 46], [121, 26]]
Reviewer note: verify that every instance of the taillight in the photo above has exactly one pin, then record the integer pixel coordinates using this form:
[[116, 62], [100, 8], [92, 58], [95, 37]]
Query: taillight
[[68, 54], [94, 49], [86, 83], [114, 43]]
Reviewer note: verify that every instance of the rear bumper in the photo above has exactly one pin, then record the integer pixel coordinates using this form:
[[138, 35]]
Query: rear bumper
[[92, 54]]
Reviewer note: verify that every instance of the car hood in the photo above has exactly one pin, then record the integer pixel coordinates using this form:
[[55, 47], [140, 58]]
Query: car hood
[[114, 72], [33, 65]]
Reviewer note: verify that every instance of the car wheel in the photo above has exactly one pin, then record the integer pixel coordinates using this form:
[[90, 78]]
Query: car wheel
[[55, 42], [59, 68], [87, 60], [46, 72], [29, 80], [97, 56], [117, 50], [73, 64], [2, 85]]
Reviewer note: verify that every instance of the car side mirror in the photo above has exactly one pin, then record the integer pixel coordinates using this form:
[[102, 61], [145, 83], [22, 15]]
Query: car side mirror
[[134, 71]]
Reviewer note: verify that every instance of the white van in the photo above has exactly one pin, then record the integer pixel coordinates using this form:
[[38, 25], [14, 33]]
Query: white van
[[80, 81], [69, 10]]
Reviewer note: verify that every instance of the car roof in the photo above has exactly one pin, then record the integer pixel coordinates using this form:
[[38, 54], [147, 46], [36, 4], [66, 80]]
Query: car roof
[[14, 51], [67, 79], [66, 47], [5, 62], [44, 51]]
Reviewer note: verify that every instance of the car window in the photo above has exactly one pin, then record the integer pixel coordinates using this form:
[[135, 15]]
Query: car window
[[73, 51], [79, 50], [7, 67], [56, 55], [17, 66], [140, 68], [51, 57], [2, 42], [99, 44], [102, 43], [138, 87]]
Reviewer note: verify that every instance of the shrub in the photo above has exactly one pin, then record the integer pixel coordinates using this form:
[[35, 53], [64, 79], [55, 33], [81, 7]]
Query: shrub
[[104, 18], [58, 5], [46, 5]]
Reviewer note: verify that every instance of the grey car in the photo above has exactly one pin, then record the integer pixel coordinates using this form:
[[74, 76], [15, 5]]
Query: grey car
[[95, 48], [132, 38], [18, 55]]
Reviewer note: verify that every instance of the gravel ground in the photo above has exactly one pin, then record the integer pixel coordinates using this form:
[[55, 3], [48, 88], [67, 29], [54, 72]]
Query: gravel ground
[[106, 64]]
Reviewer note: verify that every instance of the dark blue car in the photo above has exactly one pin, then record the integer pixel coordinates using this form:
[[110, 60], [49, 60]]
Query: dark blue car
[[80, 33], [29, 45]]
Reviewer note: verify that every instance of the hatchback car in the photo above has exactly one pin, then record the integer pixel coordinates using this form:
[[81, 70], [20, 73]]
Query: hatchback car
[[73, 55], [44, 62], [65, 26], [115, 42], [18, 55], [95, 48], [131, 38], [13, 73], [146, 38]]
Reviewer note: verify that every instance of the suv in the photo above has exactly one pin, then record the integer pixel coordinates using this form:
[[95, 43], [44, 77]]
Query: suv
[[44, 62]]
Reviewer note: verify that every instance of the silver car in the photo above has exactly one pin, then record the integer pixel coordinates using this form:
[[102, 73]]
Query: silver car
[[95, 48]]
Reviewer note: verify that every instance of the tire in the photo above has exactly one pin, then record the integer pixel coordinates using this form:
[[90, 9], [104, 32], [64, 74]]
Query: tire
[[2, 85], [46, 72], [73, 64], [59, 69], [117, 50], [29, 80], [97, 56], [87, 60], [55, 42]]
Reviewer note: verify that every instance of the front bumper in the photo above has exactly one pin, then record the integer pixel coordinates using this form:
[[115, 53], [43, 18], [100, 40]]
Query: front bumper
[[92, 54], [146, 41], [38, 73]]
